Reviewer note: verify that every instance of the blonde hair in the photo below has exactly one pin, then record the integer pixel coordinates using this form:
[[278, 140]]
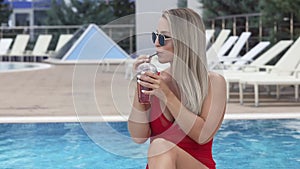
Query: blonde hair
[[189, 66]]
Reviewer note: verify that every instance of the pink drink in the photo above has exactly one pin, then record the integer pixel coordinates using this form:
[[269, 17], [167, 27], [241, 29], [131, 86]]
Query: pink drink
[[143, 98], [144, 67]]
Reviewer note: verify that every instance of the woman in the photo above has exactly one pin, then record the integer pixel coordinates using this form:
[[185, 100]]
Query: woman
[[188, 102]]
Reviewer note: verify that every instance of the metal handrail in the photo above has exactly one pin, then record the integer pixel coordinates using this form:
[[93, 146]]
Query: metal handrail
[[233, 18], [236, 16], [110, 29], [64, 26]]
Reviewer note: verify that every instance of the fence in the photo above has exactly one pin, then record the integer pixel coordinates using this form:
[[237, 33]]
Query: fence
[[123, 34], [289, 27]]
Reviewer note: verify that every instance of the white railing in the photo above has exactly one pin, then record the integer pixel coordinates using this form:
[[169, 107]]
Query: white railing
[[123, 34], [253, 21]]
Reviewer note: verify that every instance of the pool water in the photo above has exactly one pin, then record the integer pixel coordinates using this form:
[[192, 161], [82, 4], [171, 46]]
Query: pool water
[[21, 66], [238, 144], [258, 144]]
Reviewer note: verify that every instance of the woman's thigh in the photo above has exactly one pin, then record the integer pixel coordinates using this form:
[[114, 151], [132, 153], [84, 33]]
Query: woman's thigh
[[182, 160]]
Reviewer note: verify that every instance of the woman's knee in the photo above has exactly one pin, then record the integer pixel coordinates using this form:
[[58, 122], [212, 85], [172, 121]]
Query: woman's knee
[[160, 146]]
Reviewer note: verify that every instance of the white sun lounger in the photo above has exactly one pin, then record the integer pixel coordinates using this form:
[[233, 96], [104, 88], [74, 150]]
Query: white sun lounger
[[238, 46], [227, 45], [40, 47], [283, 73], [234, 52], [213, 50], [212, 55], [222, 36], [209, 33], [233, 76], [270, 54], [278, 80], [19, 46], [248, 57], [63, 39], [4, 46]]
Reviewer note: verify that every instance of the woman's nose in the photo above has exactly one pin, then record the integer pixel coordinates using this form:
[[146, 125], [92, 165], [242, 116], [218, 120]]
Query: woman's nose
[[156, 43]]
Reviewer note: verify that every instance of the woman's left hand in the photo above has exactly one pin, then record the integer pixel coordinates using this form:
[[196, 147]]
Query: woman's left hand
[[155, 82]]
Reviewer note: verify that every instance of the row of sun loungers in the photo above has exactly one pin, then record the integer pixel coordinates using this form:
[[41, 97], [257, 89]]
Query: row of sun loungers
[[19, 44], [244, 71]]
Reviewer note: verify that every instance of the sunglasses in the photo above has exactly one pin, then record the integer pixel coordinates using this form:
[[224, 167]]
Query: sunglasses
[[161, 38]]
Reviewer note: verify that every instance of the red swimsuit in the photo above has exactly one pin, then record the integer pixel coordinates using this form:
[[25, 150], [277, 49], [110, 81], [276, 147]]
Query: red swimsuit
[[161, 127]]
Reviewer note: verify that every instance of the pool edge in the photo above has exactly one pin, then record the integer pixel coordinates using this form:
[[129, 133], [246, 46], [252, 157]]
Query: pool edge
[[115, 118]]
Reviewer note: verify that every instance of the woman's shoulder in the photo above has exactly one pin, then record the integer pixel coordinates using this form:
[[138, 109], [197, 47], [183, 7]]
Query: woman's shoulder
[[217, 78], [217, 85]]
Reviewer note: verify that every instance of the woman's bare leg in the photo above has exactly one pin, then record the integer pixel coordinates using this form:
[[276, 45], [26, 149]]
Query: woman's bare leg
[[164, 154]]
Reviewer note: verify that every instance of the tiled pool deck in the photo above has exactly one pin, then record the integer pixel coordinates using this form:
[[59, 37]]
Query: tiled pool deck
[[46, 94]]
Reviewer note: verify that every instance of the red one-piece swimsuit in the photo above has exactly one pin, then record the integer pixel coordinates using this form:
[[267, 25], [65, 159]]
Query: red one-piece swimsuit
[[161, 127]]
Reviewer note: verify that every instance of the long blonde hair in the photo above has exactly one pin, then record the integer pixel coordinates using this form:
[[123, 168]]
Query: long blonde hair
[[189, 66]]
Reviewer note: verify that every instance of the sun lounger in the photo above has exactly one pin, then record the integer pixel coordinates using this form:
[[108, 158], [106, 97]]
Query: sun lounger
[[222, 36], [63, 39], [4, 46], [40, 47], [233, 76], [214, 49], [270, 54], [246, 58], [209, 34], [212, 55], [19, 46], [284, 72], [238, 46], [278, 80], [227, 45], [234, 52]]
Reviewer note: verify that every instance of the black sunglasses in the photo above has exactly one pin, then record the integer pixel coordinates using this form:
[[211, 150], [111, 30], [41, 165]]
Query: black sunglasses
[[161, 38]]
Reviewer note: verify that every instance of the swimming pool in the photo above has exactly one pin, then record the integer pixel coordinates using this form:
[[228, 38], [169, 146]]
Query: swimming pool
[[238, 144], [21, 66]]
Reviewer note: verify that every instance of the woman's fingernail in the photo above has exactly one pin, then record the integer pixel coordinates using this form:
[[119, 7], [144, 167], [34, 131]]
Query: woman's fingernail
[[143, 91], [138, 76], [143, 72], [139, 81]]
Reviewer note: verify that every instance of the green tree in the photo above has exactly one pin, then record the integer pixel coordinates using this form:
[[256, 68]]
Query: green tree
[[182, 3], [80, 12], [218, 8], [215, 8], [277, 14], [4, 12], [100, 12], [123, 7], [88, 11]]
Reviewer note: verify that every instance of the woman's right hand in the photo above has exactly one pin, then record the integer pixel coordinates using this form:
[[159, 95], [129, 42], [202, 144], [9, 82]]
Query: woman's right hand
[[141, 59]]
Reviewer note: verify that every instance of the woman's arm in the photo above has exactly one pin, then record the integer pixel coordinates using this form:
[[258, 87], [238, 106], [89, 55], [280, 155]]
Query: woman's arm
[[138, 122], [214, 107], [200, 128]]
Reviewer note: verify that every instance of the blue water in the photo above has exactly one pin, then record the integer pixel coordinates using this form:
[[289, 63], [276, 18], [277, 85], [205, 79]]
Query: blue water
[[21, 66], [238, 144], [251, 144]]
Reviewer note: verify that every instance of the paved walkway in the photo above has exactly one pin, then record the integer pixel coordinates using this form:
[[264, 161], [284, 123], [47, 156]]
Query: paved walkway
[[63, 90]]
